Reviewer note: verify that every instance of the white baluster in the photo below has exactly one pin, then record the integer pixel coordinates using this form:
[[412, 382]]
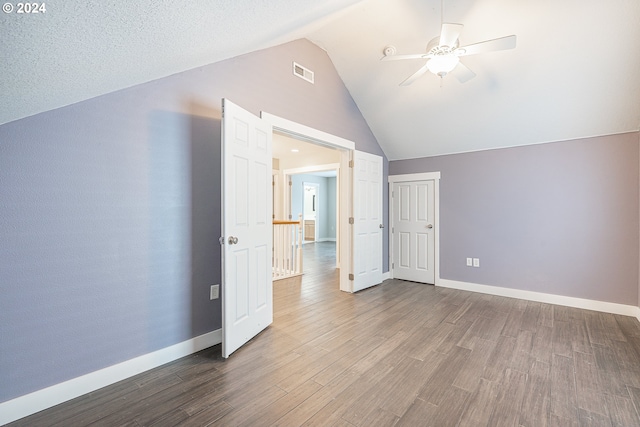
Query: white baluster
[[299, 246]]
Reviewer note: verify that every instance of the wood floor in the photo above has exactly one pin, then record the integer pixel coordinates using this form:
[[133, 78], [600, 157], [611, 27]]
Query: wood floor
[[401, 353]]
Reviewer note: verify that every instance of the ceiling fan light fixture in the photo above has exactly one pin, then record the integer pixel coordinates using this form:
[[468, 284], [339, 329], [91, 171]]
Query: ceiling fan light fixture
[[441, 65]]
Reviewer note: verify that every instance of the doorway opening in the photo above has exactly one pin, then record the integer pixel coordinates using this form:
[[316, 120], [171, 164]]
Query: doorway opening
[[310, 211], [306, 190], [344, 184]]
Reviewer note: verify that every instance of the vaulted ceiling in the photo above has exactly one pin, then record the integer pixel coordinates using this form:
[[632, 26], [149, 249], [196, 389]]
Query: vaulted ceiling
[[575, 71]]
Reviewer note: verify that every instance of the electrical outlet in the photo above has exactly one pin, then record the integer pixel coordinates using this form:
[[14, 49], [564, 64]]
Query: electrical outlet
[[476, 262], [214, 292], [469, 262]]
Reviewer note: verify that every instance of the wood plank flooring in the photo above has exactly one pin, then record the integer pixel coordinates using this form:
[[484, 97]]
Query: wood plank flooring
[[398, 354]]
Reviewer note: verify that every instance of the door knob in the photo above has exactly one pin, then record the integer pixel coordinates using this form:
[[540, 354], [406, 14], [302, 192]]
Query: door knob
[[430, 226], [381, 225], [233, 240]]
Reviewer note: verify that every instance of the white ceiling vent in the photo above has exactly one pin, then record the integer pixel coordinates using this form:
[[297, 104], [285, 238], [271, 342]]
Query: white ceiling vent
[[302, 72]]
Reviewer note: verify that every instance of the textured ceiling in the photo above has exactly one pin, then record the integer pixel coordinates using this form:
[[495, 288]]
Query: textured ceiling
[[80, 49], [574, 73]]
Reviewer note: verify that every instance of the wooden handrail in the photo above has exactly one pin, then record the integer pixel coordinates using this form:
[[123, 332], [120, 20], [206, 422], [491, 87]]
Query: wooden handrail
[[276, 222]]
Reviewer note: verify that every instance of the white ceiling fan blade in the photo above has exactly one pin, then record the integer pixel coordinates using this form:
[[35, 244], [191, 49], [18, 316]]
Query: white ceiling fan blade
[[462, 73], [449, 34], [503, 43], [415, 76], [400, 57]]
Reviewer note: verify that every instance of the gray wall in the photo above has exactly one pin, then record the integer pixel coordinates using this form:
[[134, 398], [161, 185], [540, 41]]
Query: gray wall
[[110, 212], [327, 207], [559, 218]]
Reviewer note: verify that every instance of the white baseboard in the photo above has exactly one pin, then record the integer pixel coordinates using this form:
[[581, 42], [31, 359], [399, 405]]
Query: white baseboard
[[386, 276], [31, 403], [603, 306], [326, 239]]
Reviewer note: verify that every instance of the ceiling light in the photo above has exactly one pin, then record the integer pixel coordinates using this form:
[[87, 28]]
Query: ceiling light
[[294, 150], [441, 65]]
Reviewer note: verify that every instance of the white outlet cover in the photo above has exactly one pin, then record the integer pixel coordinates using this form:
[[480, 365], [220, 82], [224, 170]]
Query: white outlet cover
[[476, 262], [469, 262]]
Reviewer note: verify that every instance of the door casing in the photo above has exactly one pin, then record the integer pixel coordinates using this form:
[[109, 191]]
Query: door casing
[[435, 176], [316, 188], [346, 148], [286, 200]]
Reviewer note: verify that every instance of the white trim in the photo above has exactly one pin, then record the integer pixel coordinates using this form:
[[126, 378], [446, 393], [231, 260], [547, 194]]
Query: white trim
[[415, 177], [31, 403], [311, 169], [425, 176], [386, 275], [587, 304], [276, 196], [326, 239], [306, 133]]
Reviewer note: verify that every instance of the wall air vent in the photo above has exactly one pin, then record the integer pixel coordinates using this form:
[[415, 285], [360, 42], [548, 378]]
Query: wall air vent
[[302, 72]]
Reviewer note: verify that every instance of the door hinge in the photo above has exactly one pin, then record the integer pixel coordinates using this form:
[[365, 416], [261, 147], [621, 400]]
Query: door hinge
[[393, 265], [351, 163], [221, 240], [351, 220], [350, 276], [393, 230]]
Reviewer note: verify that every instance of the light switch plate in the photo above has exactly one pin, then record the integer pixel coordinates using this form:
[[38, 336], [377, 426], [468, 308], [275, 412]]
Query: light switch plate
[[214, 292], [476, 262]]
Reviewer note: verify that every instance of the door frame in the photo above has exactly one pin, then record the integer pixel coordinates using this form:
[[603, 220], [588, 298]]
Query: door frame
[[346, 148], [316, 228], [426, 176], [286, 205]]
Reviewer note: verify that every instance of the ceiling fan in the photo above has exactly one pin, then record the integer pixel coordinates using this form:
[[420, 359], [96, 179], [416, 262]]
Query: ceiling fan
[[443, 54]]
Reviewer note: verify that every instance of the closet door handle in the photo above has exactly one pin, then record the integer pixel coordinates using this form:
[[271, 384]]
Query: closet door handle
[[430, 226], [233, 240]]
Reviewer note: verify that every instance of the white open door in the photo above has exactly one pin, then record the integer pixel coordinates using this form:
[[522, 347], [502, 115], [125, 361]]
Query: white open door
[[367, 215], [247, 294]]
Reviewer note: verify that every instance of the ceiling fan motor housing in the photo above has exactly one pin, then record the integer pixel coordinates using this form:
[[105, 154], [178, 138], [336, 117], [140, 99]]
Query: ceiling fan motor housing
[[434, 47]]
